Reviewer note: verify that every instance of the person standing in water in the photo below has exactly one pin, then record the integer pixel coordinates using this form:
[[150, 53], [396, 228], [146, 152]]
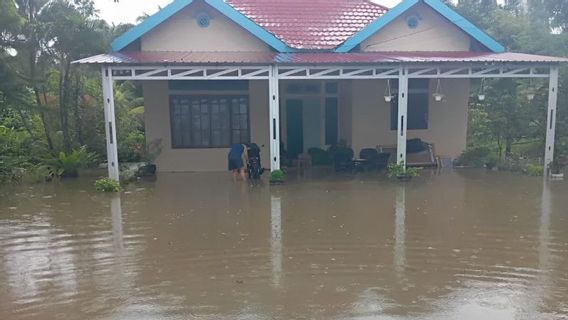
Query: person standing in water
[[238, 158]]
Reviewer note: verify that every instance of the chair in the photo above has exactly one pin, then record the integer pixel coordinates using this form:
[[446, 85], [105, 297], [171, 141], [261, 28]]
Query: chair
[[343, 159], [304, 161], [371, 159]]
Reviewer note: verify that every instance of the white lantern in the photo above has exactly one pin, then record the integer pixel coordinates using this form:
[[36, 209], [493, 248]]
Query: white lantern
[[438, 95], [388, 94]]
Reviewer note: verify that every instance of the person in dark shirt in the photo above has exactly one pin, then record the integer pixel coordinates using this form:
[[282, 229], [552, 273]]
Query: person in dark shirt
[[238, 158]]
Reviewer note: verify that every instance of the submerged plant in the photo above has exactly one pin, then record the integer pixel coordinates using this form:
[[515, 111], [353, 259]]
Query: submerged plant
[[107, 185], [534, 170], [68, 165], [399, 170], [277, 176]]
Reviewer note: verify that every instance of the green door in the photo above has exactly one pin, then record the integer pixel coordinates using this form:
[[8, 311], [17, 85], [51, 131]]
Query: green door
[[294, 128]]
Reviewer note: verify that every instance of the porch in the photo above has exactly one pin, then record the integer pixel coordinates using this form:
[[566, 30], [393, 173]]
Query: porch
[[314, 100]]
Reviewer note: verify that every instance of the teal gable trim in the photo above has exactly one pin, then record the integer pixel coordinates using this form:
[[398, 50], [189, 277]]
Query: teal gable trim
[[436, 5], [148, 24], [375, 26], [153, 21], [249, 25], [466, 26]]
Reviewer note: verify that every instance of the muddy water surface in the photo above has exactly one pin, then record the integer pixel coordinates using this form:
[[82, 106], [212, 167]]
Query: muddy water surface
[[458, 245]]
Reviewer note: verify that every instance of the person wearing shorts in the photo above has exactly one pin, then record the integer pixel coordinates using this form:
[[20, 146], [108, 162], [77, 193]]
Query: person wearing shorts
[[238, 159]]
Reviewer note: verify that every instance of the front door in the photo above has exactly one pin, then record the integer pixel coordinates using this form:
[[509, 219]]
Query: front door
[[294, 127]]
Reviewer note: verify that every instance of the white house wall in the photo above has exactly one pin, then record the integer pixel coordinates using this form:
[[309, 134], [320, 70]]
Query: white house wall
[[182, 33], [434, 33]]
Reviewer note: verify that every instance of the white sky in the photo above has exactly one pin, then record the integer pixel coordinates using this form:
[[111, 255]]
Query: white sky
[[128, 10]]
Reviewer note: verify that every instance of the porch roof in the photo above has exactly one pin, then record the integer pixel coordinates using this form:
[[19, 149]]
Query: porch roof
[[315, 58]]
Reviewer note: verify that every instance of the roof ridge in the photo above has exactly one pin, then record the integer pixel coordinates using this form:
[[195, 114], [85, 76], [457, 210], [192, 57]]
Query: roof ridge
[[377, 4]]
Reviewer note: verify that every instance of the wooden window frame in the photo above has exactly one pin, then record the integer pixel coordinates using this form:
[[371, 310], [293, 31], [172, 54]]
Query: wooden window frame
[[209, 97]]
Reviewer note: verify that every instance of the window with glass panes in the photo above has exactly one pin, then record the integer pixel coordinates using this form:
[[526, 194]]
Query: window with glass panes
[[212, 121]]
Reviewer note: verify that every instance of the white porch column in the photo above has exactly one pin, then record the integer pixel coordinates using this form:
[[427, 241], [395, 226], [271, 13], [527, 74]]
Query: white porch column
[[274, 118], [402, 116], [110, 125], [551, 117]]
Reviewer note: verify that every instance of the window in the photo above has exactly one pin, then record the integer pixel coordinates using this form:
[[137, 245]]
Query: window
[[418, 99], [209, 121]]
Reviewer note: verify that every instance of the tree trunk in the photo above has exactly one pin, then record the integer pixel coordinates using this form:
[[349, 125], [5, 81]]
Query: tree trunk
[[38, 100], [77, 109], [63, 112], [508, 146]]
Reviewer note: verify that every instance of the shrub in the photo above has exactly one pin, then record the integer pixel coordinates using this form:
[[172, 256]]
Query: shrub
[[41, 173], [277, 176], [396, 170], [477, 157], [107, 185], [68, 165], [131, 147], [534, 170], [319, 156]]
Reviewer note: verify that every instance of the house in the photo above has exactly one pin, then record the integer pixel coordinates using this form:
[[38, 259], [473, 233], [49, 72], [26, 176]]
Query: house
[[306, 73]]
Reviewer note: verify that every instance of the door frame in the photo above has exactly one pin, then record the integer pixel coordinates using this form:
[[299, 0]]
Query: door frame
[[322, 95]]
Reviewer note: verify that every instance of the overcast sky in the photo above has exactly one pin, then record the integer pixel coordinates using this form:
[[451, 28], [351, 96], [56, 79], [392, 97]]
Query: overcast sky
[[129, 10]]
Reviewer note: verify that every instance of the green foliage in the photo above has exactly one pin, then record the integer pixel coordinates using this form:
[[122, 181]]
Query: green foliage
[[107, 185], [534, 170], [68, 165], [319, 156], [477, 156], [277, 176], [398, 170]]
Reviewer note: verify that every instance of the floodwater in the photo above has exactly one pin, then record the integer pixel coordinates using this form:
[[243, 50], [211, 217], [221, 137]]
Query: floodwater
[[456, 245]]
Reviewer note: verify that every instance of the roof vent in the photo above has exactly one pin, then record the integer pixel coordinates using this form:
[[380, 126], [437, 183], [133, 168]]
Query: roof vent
[[203, 20], [413, 21]]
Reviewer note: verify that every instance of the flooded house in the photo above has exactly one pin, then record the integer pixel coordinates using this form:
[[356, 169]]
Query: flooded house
[[298, 74]]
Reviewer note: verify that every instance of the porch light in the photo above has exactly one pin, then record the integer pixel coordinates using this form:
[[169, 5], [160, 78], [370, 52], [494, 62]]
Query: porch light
[[530, 94], [481, 94], [438, 95], [388, 94]]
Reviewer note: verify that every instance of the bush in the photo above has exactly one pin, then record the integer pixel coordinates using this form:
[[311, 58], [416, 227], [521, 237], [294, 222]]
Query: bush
[[277, 176], [107, 185], [395, 170], [319, 156], [534, 170], [477, 157], [132, 146], [68, 165]]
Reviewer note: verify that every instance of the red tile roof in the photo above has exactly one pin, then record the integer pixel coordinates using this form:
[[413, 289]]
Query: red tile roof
[[264, 58], [310, 24]]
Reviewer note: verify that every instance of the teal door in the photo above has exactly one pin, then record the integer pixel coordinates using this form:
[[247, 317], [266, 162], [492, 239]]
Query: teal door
[[294, 128]]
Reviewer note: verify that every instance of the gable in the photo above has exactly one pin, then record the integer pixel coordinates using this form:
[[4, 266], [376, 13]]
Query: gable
[[479, 38], [420, 28], [182, 32]]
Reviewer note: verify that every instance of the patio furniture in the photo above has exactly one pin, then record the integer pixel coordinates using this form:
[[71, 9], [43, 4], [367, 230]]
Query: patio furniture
[[304, 161], [424, 158], [342, 158], [372, 159]]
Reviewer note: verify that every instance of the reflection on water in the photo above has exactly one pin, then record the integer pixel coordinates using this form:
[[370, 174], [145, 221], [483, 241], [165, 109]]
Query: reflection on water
[[276, 239], [459, 245], [399, 231]]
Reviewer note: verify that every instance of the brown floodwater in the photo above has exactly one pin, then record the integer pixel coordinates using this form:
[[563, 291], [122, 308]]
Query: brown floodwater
[[453, 245]]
